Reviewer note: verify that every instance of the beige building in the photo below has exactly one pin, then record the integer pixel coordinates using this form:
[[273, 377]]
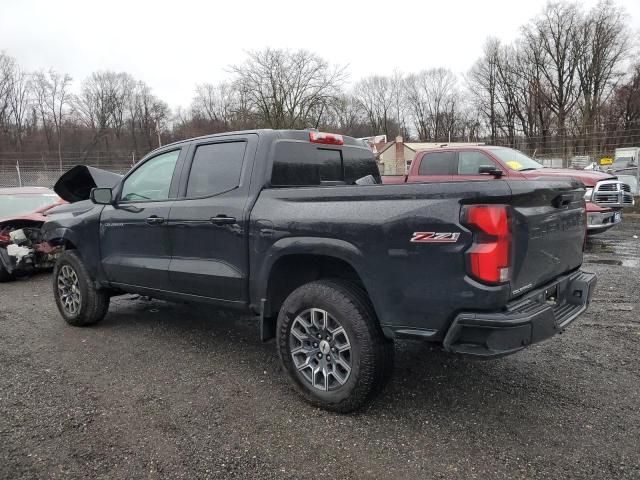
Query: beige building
[[394, 158]]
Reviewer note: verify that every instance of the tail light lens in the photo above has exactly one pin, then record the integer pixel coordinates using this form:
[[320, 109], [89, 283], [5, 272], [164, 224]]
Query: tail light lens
[[489, 258], [326, 138]]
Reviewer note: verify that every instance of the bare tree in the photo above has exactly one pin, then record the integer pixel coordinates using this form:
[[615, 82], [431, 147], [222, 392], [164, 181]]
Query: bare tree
[[151, 114], [483, 84], [40, 87], [7, 67], [288, 89], [604, 42], [52, 100], [19, 104], [217, 103], [378, 98], [431, 96], [556, 30]]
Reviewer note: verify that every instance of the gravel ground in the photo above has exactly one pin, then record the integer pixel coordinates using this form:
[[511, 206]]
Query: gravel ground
[[176, 391]]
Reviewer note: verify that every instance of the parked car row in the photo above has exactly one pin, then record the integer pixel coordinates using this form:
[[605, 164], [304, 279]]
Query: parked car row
[[606, 195]]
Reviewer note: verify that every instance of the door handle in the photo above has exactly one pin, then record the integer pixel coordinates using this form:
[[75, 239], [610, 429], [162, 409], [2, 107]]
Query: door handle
[[222, 220], [154, 220]]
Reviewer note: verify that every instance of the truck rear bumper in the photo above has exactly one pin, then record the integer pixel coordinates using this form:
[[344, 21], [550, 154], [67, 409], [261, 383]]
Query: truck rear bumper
[[537, 316]]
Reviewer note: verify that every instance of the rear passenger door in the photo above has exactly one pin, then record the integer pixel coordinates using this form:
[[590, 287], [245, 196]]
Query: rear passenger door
[[436, 167], [208, 222], [469, 163]]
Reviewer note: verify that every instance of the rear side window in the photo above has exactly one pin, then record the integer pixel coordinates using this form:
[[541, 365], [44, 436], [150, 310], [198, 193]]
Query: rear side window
[[215, 169], [306, 164], [469, 163], [437, 163]]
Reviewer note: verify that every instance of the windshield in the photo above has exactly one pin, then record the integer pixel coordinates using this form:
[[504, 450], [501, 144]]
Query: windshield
[[515, 160], [19, 204], [623, 162]]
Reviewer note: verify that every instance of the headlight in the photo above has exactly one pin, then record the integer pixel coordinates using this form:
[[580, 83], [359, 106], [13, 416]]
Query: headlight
[[588, 194]]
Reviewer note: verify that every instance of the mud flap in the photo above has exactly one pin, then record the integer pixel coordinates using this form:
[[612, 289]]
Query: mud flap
[[267, 324]]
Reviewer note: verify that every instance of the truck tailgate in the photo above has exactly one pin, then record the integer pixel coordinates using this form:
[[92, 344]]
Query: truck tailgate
[[549, 228]]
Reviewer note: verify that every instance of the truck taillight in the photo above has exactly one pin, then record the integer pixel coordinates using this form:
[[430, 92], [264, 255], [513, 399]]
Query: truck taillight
[[326, 138], [489, 258]]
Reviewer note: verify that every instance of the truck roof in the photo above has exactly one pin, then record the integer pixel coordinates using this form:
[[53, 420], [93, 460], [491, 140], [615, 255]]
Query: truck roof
[[461, 147], [282, 133]]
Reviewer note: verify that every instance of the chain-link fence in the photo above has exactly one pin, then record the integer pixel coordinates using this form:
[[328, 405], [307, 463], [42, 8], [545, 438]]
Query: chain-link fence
[[44, 169]]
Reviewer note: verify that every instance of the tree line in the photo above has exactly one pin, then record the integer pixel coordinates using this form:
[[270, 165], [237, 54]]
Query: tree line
[[570, 83]]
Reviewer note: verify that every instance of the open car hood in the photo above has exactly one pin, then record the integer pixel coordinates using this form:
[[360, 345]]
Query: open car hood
[[76, 184]]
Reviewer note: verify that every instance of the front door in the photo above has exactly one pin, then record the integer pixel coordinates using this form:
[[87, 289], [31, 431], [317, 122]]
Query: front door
[[134, 240], [208, 227]]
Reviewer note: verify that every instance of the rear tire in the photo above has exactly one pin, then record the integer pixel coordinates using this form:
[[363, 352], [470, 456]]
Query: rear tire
[[331, 345], [78, 301]]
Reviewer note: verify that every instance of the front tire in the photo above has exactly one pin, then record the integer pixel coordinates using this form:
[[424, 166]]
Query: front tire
[[78, 301], [5, 276], [331, 345]]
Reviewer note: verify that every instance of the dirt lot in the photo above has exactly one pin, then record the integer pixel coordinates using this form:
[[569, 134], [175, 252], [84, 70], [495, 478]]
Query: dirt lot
[[175, 391]]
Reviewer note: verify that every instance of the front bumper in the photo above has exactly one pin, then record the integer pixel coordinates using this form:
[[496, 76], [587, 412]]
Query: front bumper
[[535, 317], [603, 220]]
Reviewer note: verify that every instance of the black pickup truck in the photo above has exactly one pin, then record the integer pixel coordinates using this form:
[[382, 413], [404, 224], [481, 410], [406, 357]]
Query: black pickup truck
[[296, 227]]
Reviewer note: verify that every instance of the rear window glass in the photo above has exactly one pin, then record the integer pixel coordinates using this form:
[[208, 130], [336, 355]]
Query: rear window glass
[[330, 165], [437, 163], [305, 164]]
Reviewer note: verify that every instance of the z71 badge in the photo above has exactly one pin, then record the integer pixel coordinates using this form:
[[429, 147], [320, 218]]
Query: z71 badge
[[435, 237]]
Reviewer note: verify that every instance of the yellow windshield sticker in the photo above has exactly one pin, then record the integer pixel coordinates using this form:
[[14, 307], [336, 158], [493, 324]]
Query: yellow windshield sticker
[[513, 165]]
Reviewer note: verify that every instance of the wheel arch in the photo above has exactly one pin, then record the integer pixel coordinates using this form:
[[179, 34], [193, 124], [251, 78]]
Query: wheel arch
[[62, 236], [291, 262]]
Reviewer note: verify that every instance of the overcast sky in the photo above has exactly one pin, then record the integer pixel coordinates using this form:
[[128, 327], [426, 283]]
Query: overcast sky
[[172, 46]]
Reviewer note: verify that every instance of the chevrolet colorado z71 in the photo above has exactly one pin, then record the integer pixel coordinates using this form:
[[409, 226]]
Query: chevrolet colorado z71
[[295, 227], [605, 195]]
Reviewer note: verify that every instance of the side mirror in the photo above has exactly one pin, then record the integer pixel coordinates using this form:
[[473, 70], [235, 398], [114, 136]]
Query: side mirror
[[490, 170], [101, 196]]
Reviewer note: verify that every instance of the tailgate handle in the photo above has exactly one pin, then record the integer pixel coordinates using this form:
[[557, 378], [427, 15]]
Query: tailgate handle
[[562, 201]]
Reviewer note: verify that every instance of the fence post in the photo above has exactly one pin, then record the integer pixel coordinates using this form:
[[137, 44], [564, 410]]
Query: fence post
[[18, 170]]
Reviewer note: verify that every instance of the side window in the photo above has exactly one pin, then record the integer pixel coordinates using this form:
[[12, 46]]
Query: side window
[[437, 163], [215, 169], [470, 162], [152, 180]]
